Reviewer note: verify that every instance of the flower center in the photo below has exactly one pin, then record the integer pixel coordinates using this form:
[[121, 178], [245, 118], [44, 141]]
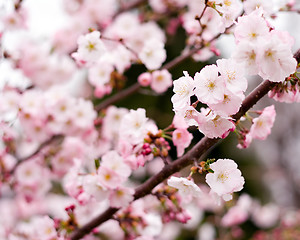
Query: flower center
[[223, 177], [211, 86], [90, 46]]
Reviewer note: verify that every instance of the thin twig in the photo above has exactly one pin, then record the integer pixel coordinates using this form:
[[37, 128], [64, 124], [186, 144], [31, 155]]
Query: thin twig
[[130, 5], [37, 151], [136, 86], [121, 41], [199, 20], [118, 96]]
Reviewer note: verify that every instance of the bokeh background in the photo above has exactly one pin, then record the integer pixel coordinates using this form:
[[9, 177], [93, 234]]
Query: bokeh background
[[271, 168]]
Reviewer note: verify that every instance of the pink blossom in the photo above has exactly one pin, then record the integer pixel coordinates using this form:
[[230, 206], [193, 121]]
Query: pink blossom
[[230, 9], [29, 173], [15, 20], [72, 182], [179, 122], [45, 228], [230, 104], [99, 73], [9, 101], [238, 213], [121, 197], [108, 178], [90, 48], [276, 60], [183, 89], [265, 216], [209, 87], [262, 125], [252, 5], [124, 26], [99, 11], [246, 53], [207, 232], [91, 185], [234, 216], [213, 125], [233, 75], [133, 126], [226, 179], [83, 113], [252, 27], [181, 139], [153, 54], [161, 80], [71, 147], [288, 94], [101, 91], [158, 6], [185, 187], [112, 230], [191, 116], [115, 162], [122, 58], [112, 122], [246, 141], [145, 79]]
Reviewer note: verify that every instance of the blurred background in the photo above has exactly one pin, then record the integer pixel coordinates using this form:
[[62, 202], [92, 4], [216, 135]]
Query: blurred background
[[271, 168]]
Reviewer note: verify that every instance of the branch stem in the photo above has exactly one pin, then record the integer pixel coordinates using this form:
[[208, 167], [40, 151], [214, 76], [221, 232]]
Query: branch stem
[[190, 157]]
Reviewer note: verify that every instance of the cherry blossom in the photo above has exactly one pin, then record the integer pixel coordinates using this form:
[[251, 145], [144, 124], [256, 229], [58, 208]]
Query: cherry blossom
[[133, 126], [238, 213], [262, 125], [276, 55], [251, 5], [209, 87], [90, 48], [225, 179], [265, 216], [91, 184], [185, 186], [246, 53], [233, 75], [145, 79], [70, 158], [161, 80], [183, 89], [153, 54], [213, 125], [230, 104], [121, 197], [252, 28]]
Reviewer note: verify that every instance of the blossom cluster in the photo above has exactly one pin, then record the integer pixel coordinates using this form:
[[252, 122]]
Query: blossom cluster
[[224, 179], [221, 87], [65, 160], [125, 41]]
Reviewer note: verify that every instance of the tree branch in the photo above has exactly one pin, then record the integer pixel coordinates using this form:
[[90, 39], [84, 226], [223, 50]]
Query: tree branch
[[131, 5], [44, 144], [194, 154], [118, 96]]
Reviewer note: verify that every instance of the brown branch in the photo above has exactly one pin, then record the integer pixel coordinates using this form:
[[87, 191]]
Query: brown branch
[[193, 155], [187, 55], [118, 96], [130, 5], [44, 144], [94, 223]]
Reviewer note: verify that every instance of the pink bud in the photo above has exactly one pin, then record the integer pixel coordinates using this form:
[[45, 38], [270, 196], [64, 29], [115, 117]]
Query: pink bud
[[145, 79]]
